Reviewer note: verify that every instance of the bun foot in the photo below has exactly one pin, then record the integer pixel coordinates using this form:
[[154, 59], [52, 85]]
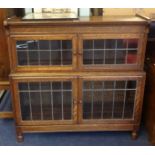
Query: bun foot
[[134, 135], [20, 138], [19, 135]]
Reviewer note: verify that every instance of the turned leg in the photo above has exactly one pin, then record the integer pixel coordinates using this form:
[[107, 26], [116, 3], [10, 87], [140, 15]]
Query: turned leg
[[19, 135], [134, 135]]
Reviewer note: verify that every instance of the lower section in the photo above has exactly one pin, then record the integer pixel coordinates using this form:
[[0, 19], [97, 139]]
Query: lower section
[[85, 102], [82, 127], [77, 128]]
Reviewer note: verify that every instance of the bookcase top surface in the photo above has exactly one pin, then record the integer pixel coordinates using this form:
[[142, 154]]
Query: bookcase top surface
[[94, 20]]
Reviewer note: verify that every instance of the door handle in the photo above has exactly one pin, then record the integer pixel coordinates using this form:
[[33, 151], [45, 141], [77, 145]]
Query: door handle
[[80, 52], [75, 109]]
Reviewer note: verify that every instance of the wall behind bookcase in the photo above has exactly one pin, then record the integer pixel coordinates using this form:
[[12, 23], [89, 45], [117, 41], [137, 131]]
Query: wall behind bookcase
[[128, 11]]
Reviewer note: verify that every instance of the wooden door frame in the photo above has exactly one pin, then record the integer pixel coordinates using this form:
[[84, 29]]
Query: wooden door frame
[[120, 67], [16, 100], [138, 97], [13, 54]]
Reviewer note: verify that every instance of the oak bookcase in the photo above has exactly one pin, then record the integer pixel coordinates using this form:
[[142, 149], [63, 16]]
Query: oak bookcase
[[84, 74]]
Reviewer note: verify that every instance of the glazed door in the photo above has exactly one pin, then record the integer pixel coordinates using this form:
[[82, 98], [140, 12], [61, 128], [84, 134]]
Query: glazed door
[[110, 98], [111, 51], [45, 100], [43, 53]]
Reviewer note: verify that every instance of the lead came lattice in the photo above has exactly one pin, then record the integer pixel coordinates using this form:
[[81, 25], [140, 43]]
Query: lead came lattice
[[44, 52], [110, 51], [46, 100], [109, 99]]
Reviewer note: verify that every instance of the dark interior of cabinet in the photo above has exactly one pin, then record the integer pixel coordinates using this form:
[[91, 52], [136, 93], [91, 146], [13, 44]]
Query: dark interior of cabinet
[[110, 51], [44, 52], [101, 100], [59, 52], [108, 99], [46, 100]]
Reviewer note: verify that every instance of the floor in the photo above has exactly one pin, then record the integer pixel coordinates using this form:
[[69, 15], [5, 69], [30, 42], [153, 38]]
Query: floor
[[8, 138]]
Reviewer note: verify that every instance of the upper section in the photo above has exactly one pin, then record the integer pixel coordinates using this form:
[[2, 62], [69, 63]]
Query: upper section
[[87, 44], [81, 21]]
